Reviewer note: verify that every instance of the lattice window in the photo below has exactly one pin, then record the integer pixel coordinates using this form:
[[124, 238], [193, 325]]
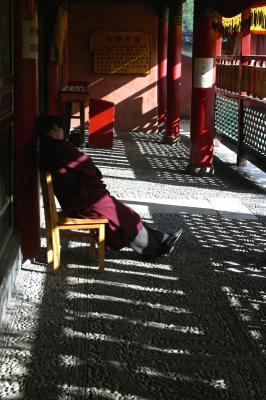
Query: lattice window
[[255, 129], [226, 117]]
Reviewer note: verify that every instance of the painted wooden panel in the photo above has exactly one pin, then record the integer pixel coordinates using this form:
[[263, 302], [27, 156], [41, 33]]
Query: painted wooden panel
[[121, 52]]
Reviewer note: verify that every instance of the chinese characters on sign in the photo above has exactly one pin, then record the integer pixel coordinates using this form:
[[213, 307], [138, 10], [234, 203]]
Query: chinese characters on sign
[[29, 39], [121, 52]]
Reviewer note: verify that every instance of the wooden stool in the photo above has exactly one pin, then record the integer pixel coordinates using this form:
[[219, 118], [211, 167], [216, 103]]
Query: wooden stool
[[75, 92]]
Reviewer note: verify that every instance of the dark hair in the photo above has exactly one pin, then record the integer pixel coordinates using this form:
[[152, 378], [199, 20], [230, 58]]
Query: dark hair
[[45, 123]]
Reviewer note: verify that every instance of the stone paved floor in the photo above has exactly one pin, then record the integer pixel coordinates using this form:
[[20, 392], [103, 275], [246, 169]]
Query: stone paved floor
[[190, 326]]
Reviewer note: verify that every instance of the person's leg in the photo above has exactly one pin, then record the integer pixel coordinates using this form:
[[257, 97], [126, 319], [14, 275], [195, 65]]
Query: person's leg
[[124, 223], [125, 228], [150, 242], [146, 243]]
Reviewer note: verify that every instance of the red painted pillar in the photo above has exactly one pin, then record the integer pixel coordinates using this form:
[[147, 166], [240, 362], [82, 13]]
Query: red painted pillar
[[219, 39], [219, 42], [202, 102], [174, 71], [58, 66], [162, 65], [53, 88], [246, 35], [55, 65], [26, 106], [65, 65], [250, 79]]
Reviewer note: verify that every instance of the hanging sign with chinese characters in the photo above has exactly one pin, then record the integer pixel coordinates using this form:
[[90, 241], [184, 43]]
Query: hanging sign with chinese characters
[[121, 52], [29, 39]]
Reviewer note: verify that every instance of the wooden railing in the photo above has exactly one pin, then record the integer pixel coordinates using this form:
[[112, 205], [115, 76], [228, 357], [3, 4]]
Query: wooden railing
[[240, 114], [245, 75], [228, 73]]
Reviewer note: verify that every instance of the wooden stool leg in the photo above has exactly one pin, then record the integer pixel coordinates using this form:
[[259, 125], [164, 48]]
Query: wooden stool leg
[[101, 247], [56, 249], [92, 251]]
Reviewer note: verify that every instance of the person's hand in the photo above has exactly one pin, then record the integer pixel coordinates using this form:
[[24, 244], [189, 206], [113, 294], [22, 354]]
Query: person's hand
[[56, 132]]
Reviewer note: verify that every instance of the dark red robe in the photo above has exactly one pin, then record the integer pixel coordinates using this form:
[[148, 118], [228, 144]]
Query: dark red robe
[[81, 192]]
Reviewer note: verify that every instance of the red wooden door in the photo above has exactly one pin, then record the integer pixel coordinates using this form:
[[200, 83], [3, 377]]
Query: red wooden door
[[6, 124]]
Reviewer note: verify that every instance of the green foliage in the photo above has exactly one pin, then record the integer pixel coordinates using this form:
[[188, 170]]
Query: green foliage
[[188, 9]]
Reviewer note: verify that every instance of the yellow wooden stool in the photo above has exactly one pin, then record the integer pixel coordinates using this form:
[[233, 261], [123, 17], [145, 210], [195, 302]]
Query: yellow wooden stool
[[56, 221]]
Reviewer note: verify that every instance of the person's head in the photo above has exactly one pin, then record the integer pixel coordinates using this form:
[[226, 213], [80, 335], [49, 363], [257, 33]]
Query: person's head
[[50, 125]]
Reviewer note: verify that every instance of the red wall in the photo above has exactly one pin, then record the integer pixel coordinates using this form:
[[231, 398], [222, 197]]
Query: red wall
[[135, 96]]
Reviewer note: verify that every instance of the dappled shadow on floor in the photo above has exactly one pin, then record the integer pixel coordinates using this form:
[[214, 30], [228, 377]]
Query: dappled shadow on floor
[[188, 326], [152, 161]]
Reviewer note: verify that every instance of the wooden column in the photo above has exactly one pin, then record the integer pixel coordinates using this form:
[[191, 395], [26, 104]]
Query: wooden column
[[245, 51], [202, 102], [163, 14], [246, 35], [219, 39], [174, 71], [65, 65], [26, 105], [53, 67], [53, 88]]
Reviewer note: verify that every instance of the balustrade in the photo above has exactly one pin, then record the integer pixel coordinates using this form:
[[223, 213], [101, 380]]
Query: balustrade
[[245, 75], [240, 106]]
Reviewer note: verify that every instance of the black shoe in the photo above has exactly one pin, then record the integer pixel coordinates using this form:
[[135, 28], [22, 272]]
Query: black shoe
[[166, 248], [171, 241]]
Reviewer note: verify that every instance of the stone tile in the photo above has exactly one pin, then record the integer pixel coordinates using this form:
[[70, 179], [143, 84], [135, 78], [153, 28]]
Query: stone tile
[[171, 206], [231, 208]]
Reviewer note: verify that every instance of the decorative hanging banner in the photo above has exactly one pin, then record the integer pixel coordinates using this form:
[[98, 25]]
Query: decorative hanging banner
[[258, 20], [231, 25]]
